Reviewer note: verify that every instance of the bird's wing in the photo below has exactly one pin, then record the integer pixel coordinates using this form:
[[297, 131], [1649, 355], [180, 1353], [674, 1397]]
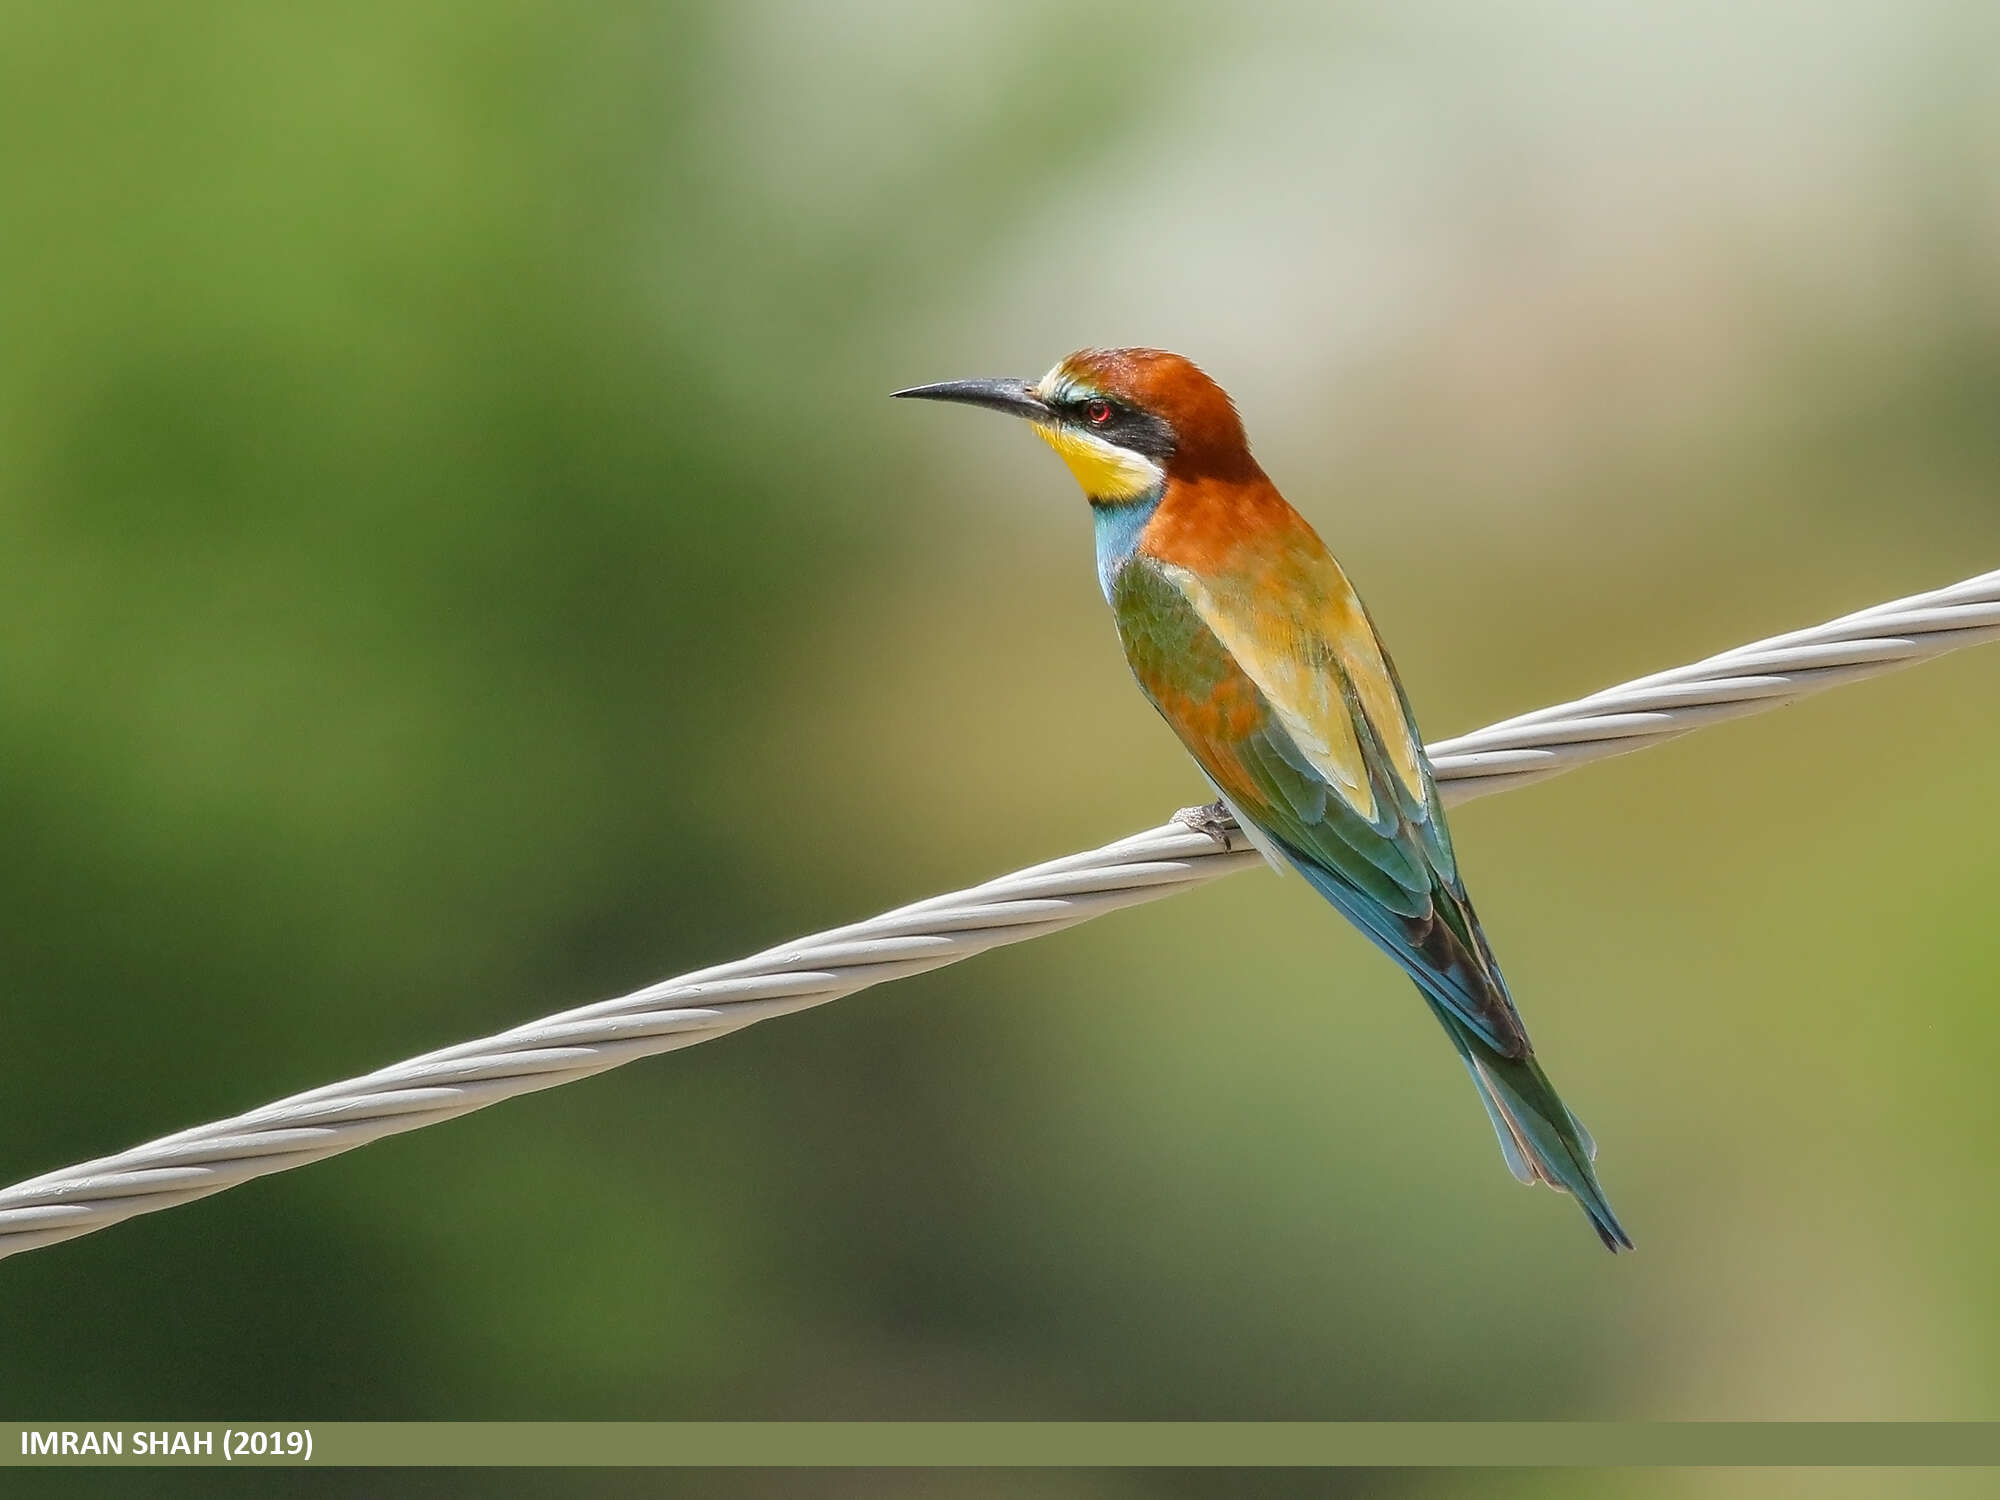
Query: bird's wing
[[1278, 687]]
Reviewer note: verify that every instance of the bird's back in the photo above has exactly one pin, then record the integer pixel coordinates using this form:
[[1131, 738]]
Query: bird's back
[[1250, 641], [1252, 644]]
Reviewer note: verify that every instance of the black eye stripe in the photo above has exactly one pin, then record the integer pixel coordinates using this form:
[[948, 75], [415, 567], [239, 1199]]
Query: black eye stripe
[[1139, 431]]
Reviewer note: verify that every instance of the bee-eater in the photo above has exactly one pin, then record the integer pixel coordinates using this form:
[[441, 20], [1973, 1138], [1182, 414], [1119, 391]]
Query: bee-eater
[[1249, 640]]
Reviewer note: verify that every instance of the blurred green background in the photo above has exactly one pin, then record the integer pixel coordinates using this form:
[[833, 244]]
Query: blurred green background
[[457, 561]]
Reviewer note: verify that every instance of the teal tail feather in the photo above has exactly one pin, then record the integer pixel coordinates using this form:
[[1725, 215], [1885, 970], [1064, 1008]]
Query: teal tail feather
[[1541, 1139]]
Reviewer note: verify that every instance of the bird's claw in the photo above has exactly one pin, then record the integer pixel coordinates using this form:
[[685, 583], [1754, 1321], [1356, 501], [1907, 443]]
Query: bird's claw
[[1215, 820]]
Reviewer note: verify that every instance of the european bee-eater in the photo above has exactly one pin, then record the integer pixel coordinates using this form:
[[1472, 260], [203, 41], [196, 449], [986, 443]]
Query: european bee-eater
[[1249, 640]]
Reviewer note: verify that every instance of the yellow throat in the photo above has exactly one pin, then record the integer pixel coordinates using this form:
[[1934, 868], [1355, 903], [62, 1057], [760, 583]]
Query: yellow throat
[[1105, 470]]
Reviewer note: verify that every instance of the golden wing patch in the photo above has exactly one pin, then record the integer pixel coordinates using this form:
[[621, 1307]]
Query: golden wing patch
[[1295, 637]]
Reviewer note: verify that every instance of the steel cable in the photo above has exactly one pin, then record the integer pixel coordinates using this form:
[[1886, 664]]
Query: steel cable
[[929, 934]]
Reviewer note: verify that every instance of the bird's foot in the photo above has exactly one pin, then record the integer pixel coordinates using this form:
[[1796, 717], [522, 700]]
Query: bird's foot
[[1216, 821]]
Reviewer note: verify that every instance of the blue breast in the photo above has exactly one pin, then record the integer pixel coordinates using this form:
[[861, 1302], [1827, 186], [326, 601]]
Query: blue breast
[[1118, 526]]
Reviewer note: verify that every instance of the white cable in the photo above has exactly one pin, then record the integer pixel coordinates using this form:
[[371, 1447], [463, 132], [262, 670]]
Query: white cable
[[912, 939]]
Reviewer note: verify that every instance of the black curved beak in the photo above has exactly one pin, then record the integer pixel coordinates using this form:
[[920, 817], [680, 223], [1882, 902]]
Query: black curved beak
[[1014, 396]]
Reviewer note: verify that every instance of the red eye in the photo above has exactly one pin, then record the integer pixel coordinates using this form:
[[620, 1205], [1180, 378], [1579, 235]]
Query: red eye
[[1098, 412]]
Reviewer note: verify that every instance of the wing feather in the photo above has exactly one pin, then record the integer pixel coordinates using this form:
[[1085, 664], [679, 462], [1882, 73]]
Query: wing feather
[[1311, 738]]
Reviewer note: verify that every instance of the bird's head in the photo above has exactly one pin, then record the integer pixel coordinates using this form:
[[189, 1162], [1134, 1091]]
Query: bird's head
[[1124, 420]]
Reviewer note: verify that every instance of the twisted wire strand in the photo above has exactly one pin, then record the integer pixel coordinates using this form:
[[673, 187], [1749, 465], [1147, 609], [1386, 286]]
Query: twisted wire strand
[[925, 935]]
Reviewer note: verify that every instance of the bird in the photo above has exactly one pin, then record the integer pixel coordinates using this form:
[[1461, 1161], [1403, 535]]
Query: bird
[[1245, 634]]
